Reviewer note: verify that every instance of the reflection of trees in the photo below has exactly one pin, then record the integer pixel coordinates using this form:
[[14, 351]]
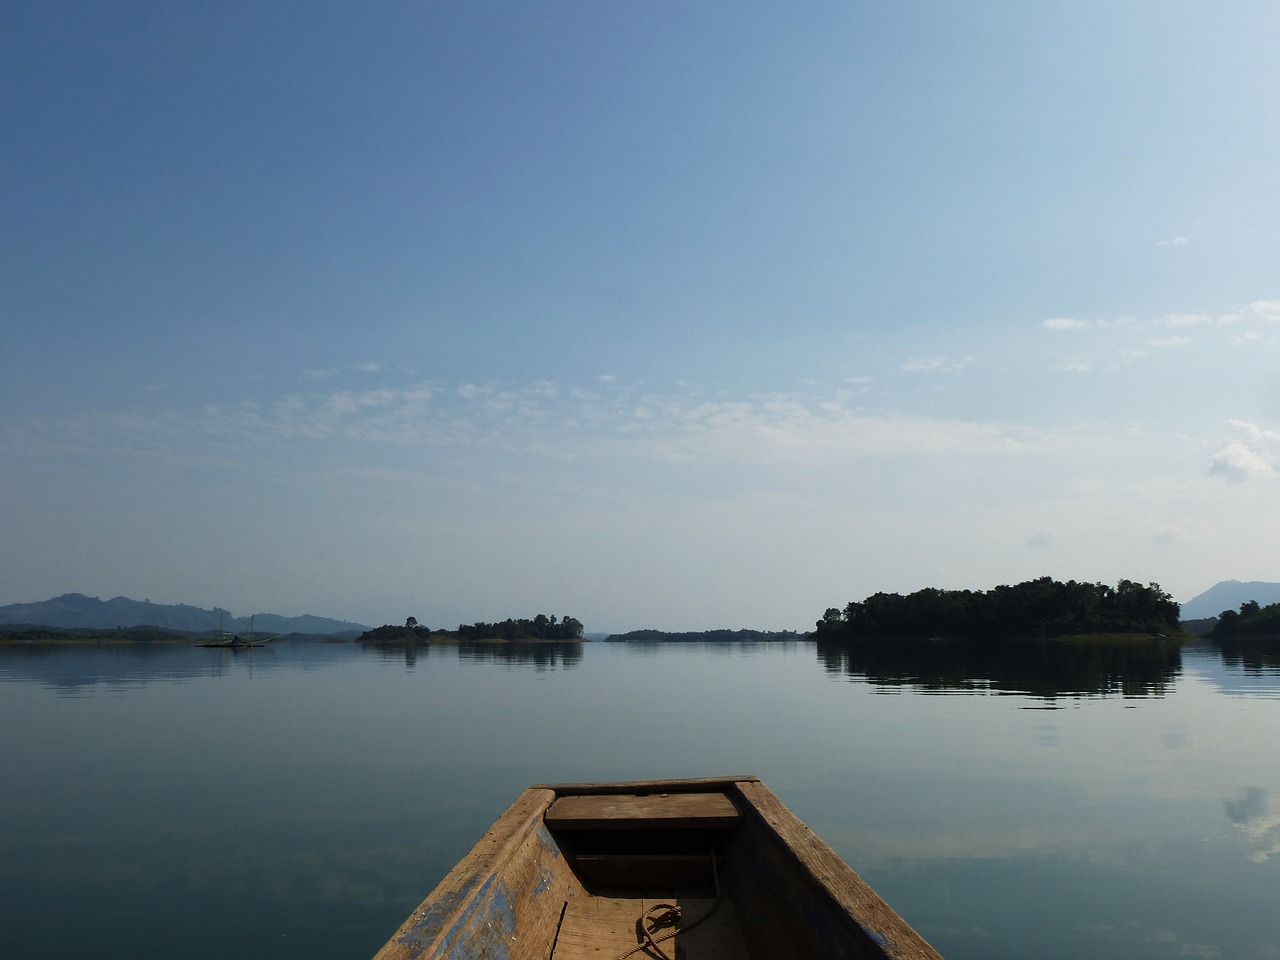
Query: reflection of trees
[[1046, 668], [541, 655], [1251, 654], [410, 652]]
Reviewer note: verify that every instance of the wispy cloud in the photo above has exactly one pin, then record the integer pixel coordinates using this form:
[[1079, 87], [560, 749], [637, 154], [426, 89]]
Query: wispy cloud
[[1266, 310], [543, 418], [936, 365], [1184, 320], [1061, 324], [1178, 241]]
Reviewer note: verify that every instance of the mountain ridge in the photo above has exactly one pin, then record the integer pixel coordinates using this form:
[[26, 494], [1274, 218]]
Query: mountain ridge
[[79, 610], [1228, 595]]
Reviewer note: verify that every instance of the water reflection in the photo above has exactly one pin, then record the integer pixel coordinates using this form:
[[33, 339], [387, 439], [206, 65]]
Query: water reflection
[[1239, 668], [1253, 816], [76, 669], [540, 655], [1048, 669], [318, 802], [1253, 655]]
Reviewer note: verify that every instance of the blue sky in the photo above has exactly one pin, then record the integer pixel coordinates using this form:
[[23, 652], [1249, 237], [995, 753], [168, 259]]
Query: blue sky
[[660, 315]]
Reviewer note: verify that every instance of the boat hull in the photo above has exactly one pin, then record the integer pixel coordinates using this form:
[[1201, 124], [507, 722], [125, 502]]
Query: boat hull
[[574, 871]]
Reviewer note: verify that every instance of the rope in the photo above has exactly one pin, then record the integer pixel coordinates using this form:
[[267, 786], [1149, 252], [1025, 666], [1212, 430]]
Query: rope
[[667, 915]]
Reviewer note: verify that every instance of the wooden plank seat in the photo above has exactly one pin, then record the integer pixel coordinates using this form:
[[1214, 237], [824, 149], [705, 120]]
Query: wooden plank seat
[[646, 811], [577, 871]]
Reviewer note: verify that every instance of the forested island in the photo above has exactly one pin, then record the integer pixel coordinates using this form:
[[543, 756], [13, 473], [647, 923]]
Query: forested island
[[1035, 609], [540, 627], [1252, 621]]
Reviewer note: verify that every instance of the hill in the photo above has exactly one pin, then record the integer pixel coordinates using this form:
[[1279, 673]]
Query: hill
[[76, 610], [1228, 595]]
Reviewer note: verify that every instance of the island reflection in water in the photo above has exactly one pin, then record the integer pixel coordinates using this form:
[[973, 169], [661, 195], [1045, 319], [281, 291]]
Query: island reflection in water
[[316, 792], [540, 655], [1045, 669]]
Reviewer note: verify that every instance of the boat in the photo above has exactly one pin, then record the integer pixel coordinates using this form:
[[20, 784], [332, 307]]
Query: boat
[[657, 870], [234, 641]]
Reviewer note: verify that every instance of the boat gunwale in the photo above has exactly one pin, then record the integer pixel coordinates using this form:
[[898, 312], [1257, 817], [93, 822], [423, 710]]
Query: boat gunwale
[[878, 930], [604, 788]]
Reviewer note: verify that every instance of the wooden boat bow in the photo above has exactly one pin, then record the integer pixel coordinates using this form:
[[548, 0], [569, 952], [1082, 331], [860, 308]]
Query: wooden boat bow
[[719, 869]]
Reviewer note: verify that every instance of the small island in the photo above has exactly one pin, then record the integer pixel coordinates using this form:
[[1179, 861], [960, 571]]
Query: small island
[[540, 628], [1033, 610]]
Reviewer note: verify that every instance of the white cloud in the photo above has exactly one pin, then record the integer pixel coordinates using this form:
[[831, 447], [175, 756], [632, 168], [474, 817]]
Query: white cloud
[[1267, 310], [1239, 463], [1063, 323], [936, 365], [1178, 241], [1254, 454], [1253, 431]]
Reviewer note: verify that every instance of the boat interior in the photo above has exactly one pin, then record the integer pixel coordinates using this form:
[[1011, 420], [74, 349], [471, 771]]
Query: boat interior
[[672, 870], [649, 865]]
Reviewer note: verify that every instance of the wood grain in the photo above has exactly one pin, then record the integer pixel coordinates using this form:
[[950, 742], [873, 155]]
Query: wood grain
[[642, 811]]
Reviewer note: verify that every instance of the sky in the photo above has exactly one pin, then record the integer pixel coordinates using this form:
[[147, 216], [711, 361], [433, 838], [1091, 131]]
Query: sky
[[661, 315]]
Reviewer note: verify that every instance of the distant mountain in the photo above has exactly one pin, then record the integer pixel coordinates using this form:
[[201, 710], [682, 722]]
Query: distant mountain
[[1228, 595], [77, 610]]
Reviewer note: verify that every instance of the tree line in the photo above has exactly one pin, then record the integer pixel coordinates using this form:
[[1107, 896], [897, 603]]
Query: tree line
[[1253, 620], [1033, 609], [540, 627]]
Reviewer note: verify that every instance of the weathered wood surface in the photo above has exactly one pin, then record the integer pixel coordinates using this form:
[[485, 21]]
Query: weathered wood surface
[[687, 785], [629, 811], [781, 864], [603, 928], [502, 900], [784, 894]]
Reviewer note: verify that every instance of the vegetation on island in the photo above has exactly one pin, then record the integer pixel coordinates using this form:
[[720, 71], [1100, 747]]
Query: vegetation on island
[[540, 627], [33, 633], [705, 636], [1035, 609], [1253, 620]]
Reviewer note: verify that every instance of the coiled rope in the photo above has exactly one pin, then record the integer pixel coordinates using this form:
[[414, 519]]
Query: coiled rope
[[667, 915]]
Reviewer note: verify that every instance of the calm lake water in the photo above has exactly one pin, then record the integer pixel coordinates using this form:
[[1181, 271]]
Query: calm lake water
[[299, 800]]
